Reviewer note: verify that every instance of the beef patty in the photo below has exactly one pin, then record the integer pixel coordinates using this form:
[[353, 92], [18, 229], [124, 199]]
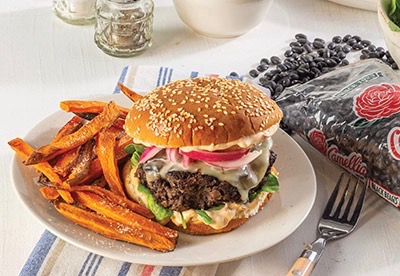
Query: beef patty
[[181, 190]]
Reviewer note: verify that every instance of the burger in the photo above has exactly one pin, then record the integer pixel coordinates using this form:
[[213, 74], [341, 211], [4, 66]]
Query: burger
[[201, 153]]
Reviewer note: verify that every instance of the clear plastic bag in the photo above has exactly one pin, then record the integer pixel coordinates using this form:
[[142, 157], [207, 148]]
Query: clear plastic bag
[[352, 116]]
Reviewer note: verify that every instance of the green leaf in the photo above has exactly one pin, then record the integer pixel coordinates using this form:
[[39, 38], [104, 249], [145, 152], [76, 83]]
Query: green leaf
[[129, 149], [204, 216], [271, 185], [159, 211], [136, 151]]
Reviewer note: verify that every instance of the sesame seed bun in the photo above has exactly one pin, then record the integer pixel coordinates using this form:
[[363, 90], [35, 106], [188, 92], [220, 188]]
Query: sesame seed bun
[[201, 112]]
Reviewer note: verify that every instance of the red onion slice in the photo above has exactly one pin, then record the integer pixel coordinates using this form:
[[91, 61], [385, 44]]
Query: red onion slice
[[149, 153], [235, 164], [215, 156]]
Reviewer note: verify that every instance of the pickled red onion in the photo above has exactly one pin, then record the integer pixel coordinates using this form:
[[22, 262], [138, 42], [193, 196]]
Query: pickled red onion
[[215, 156], [235, 164], [172, 154], [149, 153]]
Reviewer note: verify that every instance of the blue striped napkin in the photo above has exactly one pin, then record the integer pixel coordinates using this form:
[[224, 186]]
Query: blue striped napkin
[[53, 256]]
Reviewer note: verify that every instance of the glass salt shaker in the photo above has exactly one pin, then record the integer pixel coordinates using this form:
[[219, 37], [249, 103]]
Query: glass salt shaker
[[124, 27], [77, 12]]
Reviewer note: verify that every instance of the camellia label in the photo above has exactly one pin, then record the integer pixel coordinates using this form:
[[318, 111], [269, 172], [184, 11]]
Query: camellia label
[[352, 162], [393, 141]]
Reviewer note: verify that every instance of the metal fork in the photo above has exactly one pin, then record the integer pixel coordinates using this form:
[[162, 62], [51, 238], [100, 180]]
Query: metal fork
[[339, 219]]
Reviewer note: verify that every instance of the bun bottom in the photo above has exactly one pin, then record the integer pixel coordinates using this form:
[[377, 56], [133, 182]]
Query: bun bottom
[[201, 229]]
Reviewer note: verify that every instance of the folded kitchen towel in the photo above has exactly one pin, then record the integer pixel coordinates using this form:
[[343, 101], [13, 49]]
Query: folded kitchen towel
[[53, 256]]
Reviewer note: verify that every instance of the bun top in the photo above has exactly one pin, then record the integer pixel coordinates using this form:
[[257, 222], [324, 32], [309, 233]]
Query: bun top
[[201, 112]]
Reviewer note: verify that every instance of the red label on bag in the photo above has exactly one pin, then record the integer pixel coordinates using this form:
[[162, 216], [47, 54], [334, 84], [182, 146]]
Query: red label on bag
[[393, 141], [378, 101], [352, 162]]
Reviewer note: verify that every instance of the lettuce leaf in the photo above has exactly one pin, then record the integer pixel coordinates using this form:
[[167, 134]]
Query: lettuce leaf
[[159, 211]]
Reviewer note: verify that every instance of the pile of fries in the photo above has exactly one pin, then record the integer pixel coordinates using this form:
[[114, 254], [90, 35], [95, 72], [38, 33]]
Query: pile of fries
[[80, 175]]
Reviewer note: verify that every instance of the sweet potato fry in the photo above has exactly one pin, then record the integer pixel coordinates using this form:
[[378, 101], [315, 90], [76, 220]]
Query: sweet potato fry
[[115, 230], [71, 126], [105, 149], [81, 136], [77, 106], [66, 161], [49, 193], [25, 150], [132, 95], [95, 170], [82, 164], [121, 214], [118, 200]]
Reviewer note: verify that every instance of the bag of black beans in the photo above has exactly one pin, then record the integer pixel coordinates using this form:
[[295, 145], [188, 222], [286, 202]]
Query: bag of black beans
[[352, 116]]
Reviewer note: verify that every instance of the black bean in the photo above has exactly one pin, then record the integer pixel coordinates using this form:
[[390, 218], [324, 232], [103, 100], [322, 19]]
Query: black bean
[[234, 74], [344, 62], [302, 41], [286, 82], [288, 53], [253, 73], [341, 55], [300, 35], [282, 67], [262, 67], [394, 66], [294, 76], [373, 55], [279, 88], [271, 84], [275, 60], [337, 39], [357, 46], [295, 44], [264, 61], [363, 56], [365, 42], [318, 59], [365, 51], [298, 50], [347, 48], [331, 62], [308, 48], [351, 42], [327, 53], [372, 48], [318, 44], [337, 59], [338, 48], [346, 38], [356, 38], [331, 45]]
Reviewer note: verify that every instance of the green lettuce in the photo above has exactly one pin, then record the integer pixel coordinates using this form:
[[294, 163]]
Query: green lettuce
[[159, 211]]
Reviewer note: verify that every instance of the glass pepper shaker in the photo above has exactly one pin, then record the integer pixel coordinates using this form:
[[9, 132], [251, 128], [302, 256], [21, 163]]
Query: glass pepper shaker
[[124, 27], [77, 12]]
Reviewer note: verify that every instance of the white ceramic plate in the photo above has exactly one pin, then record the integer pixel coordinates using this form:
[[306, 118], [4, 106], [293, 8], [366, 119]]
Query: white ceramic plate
[[281, 216], [370, 5]]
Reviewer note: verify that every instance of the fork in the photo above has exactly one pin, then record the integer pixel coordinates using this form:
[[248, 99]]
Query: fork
[[339, 219]]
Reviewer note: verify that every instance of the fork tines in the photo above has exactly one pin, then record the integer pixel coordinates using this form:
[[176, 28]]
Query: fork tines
[[346, 196]]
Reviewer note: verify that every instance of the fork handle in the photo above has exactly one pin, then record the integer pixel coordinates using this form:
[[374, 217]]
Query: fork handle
[[310, 256], [302, 267]]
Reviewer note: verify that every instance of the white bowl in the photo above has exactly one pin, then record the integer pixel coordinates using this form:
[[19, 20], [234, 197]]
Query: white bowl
[[391, 36], [222, 18]]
